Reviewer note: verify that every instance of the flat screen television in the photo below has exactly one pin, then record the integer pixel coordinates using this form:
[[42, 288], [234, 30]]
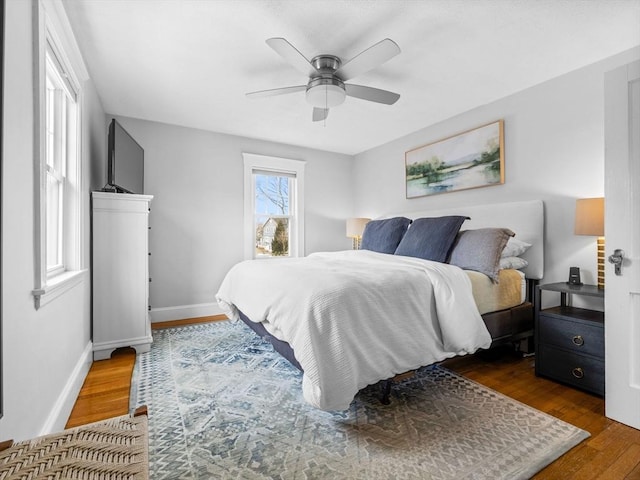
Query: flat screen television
[[125, 170]]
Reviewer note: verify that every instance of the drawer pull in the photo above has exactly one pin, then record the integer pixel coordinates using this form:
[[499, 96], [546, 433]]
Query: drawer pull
[[578, 340], [577, 372]]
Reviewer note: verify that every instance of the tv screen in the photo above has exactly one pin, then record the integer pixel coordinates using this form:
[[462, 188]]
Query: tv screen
[[126, 161]]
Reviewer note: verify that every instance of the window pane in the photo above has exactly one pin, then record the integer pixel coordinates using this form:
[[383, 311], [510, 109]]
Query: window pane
[[54, 195], [272, 236], [50, 123], [271, 216], [280, 243], [272, 194]]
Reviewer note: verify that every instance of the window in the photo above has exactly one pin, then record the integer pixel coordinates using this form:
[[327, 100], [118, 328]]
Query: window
[[272, 217], [61, 137], [274, 220], [58, 207]]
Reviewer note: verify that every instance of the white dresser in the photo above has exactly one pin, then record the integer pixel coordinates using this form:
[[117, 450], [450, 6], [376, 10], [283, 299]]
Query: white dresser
[[120, 232]]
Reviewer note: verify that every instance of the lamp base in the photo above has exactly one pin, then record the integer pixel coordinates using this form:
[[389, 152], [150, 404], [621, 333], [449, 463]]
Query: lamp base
[[601, 255]]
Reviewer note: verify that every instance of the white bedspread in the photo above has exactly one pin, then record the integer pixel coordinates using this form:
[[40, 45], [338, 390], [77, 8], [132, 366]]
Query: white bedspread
[[357, 317]]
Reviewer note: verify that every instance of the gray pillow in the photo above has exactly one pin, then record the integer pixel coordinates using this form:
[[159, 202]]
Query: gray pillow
[[480, 250], [515, 263], [515, 248], [383, 236], [430, 238]]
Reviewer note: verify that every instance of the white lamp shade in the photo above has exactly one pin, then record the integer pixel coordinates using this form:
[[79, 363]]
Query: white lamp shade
[[355, 227], [590, 216], [325, 96]]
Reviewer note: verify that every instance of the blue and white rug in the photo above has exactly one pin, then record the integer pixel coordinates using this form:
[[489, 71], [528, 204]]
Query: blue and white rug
[[223, 405]]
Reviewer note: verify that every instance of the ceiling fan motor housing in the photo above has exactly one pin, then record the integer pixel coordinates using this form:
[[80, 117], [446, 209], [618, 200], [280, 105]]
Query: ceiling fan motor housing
[[326, 63], [325, 90]]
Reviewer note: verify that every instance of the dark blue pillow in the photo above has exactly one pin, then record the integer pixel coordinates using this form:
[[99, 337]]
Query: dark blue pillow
[[383, 236], [431, 238]]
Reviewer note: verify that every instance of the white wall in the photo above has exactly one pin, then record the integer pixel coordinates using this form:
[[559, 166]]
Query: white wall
[[554, 151], [45, 352], [196, 219]]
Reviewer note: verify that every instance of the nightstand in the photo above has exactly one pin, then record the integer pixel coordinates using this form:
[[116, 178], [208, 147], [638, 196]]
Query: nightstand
[[570, 340]]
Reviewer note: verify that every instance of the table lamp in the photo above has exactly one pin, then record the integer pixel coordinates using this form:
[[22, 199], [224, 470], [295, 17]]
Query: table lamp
[[355, 228], [590, 221]]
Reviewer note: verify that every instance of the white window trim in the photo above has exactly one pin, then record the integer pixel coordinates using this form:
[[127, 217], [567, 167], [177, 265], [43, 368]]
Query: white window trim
[[51, 22], [273, 164]]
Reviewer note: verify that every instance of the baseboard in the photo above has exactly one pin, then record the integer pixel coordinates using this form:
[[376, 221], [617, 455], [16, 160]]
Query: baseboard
[[180, 312], [57, 419]]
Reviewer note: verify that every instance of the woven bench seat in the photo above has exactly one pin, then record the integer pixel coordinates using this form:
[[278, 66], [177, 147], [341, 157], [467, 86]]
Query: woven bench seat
[[117, 448]]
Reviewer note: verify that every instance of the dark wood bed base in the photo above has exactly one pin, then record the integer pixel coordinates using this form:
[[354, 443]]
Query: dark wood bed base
[[283, 348], [513, 325]]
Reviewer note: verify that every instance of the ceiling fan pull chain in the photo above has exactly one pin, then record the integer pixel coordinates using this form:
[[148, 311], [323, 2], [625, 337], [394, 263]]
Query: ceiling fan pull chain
[[326, 105]]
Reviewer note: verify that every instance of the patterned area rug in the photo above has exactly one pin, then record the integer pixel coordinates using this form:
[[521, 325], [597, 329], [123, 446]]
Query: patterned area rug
[[222, 404]]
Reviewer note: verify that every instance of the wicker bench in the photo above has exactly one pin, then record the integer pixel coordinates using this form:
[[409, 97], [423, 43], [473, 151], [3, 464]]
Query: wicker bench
[[117, 448]]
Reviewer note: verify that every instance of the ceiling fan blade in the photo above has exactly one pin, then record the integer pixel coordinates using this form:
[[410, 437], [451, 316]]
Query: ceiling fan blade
[[371, 94], [276, 91], [370, 58], [291, 55], [320, 114]]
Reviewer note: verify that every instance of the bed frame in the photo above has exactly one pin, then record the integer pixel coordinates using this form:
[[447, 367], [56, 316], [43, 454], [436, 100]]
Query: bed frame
[[513, 325]]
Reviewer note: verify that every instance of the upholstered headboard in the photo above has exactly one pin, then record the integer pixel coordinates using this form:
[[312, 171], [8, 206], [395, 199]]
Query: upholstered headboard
[[525, 218]]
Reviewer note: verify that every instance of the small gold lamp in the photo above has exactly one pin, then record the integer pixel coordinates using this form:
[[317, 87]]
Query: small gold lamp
[[355, 228], [590, 221]]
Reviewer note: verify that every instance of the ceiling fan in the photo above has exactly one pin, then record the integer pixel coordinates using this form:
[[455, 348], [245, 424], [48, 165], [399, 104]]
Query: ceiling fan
[[327, 74]]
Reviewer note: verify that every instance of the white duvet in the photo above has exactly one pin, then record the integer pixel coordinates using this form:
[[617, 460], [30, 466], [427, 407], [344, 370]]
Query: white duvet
[[357, 317]]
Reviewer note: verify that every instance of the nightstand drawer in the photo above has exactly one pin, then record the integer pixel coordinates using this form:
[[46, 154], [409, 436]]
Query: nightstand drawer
[[572, 335], [578, 370]]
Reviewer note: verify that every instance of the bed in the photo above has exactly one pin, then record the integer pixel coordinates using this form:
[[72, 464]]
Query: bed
[[353, 318]]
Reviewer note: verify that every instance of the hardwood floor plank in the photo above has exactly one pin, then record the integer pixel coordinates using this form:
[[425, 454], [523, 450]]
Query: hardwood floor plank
[[105, 391], [187, 321], [624, 464], [567, 466], [635, 473]]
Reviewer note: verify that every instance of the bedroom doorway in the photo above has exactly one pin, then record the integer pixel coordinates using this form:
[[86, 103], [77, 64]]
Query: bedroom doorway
[[622, 233]]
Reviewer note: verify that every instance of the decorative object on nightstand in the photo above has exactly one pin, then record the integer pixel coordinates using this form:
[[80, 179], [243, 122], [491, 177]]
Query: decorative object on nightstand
[[355, 228], [590, 221], [574, 276], [570, 340]]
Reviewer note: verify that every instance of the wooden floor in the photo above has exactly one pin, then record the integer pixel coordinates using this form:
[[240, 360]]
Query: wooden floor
[[612, 452], [105, 392]]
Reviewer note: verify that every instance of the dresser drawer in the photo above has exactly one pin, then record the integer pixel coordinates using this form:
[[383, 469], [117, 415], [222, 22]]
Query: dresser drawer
[[579, 337], [581, 371]]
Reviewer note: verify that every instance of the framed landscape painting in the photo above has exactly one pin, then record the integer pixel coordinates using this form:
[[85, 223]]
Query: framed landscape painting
[[471, 159]]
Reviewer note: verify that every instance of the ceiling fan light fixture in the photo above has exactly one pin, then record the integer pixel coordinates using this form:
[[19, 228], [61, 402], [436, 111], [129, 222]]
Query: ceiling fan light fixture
[[325, 92]]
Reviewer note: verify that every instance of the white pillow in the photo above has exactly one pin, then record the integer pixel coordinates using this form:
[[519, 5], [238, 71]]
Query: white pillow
[[513, 262], [514, 248]]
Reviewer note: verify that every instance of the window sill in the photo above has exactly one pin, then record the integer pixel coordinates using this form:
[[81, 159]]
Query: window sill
[[56, 286]]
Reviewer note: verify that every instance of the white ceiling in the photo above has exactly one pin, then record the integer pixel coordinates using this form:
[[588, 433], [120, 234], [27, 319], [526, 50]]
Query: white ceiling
[[190, 62]]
